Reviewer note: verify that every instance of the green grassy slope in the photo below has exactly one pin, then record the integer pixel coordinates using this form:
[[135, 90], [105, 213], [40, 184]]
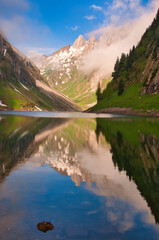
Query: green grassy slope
[[77, 88], [131, 98]]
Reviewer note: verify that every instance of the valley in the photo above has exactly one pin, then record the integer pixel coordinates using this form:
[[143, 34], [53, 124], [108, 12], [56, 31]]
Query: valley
[[63, 71], [23, 88]]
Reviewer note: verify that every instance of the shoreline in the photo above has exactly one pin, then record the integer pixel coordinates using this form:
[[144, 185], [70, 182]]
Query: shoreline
[[127, 111]]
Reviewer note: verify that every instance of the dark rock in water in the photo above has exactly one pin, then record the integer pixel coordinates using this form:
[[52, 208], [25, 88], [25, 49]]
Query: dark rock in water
[[45, 226]]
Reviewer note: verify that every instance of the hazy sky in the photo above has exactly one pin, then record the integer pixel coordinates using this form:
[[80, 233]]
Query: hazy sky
[[44, 26]]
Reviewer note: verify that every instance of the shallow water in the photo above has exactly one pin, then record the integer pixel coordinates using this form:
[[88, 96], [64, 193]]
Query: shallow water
[[93, 178]]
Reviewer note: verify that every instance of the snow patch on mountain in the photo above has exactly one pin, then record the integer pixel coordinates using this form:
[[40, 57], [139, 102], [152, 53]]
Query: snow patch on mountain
[[15, 89], [2, 104], [64, 61], [24, 86], [39, 109]]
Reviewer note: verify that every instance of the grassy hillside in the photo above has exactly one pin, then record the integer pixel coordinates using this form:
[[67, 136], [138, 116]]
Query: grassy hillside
[[77, 88], [131, 98], [135, 80], [23, 99]]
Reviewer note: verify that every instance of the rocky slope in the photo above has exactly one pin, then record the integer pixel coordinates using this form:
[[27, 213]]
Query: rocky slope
[[63, 71], [59, 65], [21, 85], [135, 81]]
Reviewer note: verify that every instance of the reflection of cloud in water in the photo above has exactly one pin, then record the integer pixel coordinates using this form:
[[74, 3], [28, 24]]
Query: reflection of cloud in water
[[123, 200], [93, 163]]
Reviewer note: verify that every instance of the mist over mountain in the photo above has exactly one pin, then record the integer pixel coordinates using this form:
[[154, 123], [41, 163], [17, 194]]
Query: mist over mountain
[[135, 83], [62, 70]]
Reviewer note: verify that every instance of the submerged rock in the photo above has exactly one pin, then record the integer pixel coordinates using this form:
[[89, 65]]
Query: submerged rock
[[45, 226]]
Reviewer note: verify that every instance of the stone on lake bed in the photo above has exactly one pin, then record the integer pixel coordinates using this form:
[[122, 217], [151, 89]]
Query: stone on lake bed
[[45, 226]]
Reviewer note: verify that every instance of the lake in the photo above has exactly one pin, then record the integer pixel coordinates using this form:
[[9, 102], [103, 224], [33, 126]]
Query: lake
[[94, 177]]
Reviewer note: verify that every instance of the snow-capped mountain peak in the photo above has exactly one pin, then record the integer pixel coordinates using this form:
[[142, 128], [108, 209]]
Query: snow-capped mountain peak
[[80, 42]]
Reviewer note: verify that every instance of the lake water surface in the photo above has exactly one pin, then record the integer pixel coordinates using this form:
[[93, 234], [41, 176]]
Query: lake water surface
[[94, 178]]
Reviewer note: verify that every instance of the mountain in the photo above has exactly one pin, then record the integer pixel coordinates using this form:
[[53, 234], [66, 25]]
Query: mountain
[[62, 71], [21, 85], [135, 83]]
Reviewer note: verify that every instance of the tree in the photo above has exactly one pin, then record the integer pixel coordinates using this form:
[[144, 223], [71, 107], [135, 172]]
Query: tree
[[98, 93], [116, 70], [120, 87]]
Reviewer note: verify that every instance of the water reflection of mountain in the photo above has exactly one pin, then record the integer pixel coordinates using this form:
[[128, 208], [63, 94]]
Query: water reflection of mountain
[[70, 147], [74, 151], [135, 149], [61, 150], [17, 139]]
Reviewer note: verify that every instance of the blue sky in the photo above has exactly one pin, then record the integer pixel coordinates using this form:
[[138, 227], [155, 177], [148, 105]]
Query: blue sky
[[47, 25]]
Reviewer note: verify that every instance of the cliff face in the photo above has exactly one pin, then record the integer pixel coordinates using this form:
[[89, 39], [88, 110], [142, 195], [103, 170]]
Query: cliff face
[[21, 85], [14, 64], [150, 76]]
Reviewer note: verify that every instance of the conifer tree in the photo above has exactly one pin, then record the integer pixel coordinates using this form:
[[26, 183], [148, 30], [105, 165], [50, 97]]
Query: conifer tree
[[120, 88], [98, 93]]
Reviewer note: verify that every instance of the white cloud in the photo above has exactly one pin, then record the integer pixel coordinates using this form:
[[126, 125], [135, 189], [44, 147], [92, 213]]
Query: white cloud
[[32, 52], [23, 29], [123, 31], [124, 10], [20, 4], [20, 29], [22, 32], [89, 18], [75, 28], [96, 7], [118, 4]]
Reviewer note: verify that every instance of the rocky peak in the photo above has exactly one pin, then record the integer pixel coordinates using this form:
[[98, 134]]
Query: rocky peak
[[92, 39], [90, 45], [100, 39], [80, 42], [61, 50]]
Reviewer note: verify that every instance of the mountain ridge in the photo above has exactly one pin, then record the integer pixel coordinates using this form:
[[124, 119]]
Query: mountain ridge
[[19, 84], [62, 70]]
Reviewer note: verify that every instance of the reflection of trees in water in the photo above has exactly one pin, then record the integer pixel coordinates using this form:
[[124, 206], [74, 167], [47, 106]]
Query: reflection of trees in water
[[17, 139], [135, 149]]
